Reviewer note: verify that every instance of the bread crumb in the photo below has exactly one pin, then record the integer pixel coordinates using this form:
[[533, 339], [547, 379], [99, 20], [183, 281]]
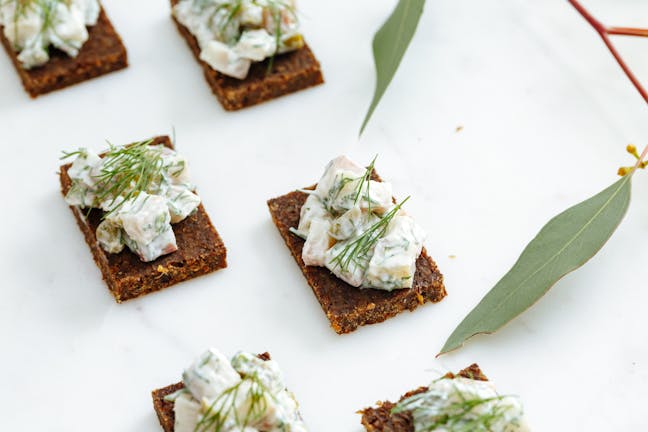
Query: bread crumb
[[420, 298]]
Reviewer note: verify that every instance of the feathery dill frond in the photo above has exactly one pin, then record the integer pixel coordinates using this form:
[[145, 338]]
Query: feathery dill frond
[[358, 250]]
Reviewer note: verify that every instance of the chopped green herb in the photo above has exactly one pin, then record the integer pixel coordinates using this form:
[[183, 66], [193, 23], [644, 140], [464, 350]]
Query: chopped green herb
[[224, 407], [366, 177], [127, 171], [456, 416], [359, 249]]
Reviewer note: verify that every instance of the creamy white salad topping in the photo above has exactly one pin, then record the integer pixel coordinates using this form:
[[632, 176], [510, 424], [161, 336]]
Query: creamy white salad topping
[[32, 26], [461, 404], [234, 33], [142, 189], [353, 227], [242, 394]]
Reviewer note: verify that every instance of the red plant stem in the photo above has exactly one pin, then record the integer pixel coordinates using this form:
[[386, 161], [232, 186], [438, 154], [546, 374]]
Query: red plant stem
[[604, 33], [627, 31], [642, 157]]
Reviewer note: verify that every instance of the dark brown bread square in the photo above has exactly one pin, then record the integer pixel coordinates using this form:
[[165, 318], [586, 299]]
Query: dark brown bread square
[[348, 307], [164, 408], [381, 419], [291, 72], [200, 251], [102, 53]]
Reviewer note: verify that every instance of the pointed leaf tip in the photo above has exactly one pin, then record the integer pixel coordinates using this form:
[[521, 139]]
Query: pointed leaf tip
[[389, 46]]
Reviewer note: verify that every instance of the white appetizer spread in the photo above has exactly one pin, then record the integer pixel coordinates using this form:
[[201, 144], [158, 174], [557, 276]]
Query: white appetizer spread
[[142, 189], [462, 404], [32, 26], [234, 33], [352, 226], [244, 394]]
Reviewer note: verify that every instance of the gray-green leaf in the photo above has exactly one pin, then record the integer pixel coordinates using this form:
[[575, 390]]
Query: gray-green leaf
[[389, 46], [566, 243]]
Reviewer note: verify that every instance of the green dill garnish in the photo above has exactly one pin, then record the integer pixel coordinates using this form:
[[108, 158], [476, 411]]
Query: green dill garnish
[[127, 171], [82, 152], [358, 250], [366, 177], [232, 9], [224, 407], [21, 8], [48, 13], [277, 7], [276, 14], [173, 396], [459, 416], [334, 192]]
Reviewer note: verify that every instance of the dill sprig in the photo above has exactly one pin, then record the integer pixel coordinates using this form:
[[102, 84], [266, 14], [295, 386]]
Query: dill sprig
[[233, 8], [224, 407], [366, 177], [47, 10], [457, 415], [21, 9], [359, 249], [125, 172], [48, 13], [276, 8]]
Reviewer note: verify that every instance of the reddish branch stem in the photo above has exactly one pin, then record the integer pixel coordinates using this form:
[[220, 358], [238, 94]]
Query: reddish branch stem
[[627, 31], [605, 33], [643, 156]]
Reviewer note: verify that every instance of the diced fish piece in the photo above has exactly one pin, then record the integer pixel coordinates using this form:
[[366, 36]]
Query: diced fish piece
[[290, 42], [68, 32], [223, 59], [313, 209], [352, 272], [265, 371], [246, 407], [256, 45], [90, 9], [317, 243], [163, 244], [251, 14], [34, 54], [337, 172], [82, 172], [20, 30], [144, 217], [176, 166], [83, 167], [374, 195], [181, 202], [187, 412], [210, 376], [147, 226], [352, 224], [393, 263], [109, 236]]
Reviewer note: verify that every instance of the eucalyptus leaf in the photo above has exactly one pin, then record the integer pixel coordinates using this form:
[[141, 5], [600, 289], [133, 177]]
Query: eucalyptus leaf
[[564, 244], [389, 46]]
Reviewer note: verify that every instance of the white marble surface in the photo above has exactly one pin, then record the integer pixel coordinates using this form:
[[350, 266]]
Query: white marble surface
[[546, 115]]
